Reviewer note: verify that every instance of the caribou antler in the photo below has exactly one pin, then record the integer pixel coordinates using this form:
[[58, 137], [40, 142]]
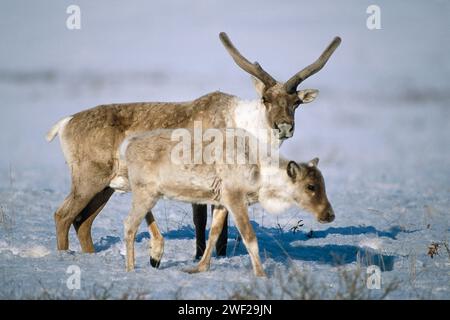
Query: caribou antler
[[253, 68], [292, 83]]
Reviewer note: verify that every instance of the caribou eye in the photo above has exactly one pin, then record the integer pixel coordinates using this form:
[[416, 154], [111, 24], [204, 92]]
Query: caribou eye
[[311, 187]]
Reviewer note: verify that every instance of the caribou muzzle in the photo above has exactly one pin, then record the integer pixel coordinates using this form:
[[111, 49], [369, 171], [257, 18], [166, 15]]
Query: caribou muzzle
[[327, 216], [284, 130]]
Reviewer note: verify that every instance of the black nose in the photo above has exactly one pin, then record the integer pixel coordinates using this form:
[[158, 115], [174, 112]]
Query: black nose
[[328, 216], [285, 129]]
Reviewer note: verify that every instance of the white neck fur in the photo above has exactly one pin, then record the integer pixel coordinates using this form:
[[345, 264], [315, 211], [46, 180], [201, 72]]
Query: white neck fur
[[275, 194], [250, 115]]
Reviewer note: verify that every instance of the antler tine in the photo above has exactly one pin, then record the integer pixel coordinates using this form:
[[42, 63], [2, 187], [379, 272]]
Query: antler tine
[[253, 68], [292, 83]]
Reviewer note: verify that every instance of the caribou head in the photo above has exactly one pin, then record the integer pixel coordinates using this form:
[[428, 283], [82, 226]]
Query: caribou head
[[281, 99]]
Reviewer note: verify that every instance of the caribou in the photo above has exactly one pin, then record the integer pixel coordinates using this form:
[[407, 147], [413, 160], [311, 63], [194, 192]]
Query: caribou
[[150, 170], [91, 138]]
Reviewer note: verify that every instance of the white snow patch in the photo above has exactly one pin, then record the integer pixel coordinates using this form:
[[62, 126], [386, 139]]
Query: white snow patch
[[33, 251], [373, 243]]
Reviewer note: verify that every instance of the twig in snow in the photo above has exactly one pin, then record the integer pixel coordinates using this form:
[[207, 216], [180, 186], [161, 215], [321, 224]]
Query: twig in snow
[[297, 226], [433, 249]]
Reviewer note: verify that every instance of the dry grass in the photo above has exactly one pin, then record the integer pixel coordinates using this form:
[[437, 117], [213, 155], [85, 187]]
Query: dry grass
[[6, 220], [96, 292], [300, 285]]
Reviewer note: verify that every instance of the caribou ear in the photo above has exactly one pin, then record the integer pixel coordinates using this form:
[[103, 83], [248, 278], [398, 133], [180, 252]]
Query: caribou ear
[[307, 95], [314, 162], [293, 170], [259, 86]]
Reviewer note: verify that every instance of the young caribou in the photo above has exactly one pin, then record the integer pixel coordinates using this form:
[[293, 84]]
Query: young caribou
[[90, 139], [148, 169]]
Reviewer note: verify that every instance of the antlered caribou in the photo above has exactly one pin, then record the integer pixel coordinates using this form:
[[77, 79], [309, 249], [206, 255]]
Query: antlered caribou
[[90, 139]]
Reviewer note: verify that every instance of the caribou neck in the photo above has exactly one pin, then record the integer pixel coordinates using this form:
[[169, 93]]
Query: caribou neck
[[250, 115], [273, 193]]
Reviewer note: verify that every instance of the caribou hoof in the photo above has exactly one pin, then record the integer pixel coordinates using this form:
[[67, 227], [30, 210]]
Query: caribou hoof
[[197, 269], [261, 274], [155, 263], [192, 270]]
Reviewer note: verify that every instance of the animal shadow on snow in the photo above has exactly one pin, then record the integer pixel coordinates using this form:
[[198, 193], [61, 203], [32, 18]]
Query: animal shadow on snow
[[105, 243], [286, 246]]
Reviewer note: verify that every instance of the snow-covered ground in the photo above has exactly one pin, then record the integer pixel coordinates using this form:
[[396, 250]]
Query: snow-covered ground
[[380, 127]]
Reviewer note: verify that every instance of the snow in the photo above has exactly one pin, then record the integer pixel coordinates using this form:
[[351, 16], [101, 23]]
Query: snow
[[34, 251], [379, 126]]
